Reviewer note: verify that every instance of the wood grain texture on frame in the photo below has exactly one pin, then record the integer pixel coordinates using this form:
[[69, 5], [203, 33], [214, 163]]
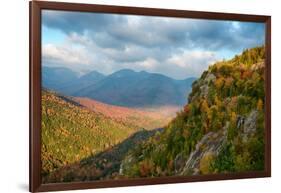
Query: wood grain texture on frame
[[35, 94]]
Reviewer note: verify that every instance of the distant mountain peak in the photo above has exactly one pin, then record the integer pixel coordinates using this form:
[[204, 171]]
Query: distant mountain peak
[[125, 70], [92, 74], [95, 72], [123, 73]]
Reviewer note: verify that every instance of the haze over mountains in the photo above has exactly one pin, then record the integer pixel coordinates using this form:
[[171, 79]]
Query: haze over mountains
[[124, 87]]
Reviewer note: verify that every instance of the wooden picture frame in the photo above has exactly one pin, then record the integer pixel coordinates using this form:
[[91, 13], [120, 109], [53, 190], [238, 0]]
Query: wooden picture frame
[[36, 8]]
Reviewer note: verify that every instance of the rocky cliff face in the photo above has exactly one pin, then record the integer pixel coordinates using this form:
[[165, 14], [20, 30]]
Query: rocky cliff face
[[212, 143]]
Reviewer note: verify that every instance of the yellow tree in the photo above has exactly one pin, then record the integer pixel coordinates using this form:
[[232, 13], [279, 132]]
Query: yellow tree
[[219, 82], [260, 105], [204, 106]]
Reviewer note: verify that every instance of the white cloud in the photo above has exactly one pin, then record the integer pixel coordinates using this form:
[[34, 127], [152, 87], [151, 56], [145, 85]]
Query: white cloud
[[79, 39], [186, 58], [149, 64], [192, 62], [65, 54]]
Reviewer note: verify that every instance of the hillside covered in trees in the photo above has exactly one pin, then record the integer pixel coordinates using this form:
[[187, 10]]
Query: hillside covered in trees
[[74, 129], [70, 132], [220, 129]]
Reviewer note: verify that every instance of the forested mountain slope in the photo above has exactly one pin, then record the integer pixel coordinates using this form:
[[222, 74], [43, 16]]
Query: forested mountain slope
[[104, 165], [221, 128], [79, 134], [71, 132]]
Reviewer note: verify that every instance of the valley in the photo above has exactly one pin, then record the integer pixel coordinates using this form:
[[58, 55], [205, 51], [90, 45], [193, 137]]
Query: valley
[[148, 118]]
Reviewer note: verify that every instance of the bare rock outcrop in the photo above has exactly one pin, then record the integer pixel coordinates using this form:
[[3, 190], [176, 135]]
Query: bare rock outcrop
[[211, 143]]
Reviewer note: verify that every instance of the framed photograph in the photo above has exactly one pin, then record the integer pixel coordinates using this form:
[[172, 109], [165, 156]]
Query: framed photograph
[[125, 96]]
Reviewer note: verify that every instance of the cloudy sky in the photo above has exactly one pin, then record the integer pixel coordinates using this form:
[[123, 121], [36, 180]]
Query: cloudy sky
[[175, 47]]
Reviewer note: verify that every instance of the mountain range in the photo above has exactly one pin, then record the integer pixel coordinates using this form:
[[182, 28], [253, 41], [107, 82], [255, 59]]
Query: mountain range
[[123, 88]]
